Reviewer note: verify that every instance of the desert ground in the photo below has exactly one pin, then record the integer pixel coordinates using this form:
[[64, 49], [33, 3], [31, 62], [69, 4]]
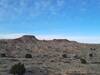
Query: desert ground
[[49, 57]]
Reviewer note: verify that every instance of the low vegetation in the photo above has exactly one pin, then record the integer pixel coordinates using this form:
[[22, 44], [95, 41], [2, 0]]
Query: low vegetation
[[64, 55], [3, 55], [91, 55], [83, 61], [18, 69], [28, 56]]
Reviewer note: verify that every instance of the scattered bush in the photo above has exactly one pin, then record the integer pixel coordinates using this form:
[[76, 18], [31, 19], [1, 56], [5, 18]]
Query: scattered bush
[[52, 61], [83, 61], [93, 49], [90, 48], [28, 56], [18, 69], [77, 57], [64, 56], [90, 55], [3, 55]]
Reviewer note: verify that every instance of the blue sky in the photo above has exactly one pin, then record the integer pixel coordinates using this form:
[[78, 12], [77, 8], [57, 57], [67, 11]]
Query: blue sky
[[75, 19]]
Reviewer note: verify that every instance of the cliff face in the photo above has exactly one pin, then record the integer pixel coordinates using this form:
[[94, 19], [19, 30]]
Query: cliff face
[[30, 44]]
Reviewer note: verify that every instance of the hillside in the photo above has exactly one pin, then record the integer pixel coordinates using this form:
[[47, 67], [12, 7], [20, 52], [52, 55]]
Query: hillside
[[30, 44], [51, 57]]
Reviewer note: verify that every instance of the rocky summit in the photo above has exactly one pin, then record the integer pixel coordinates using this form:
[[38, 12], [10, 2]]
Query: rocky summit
[[49, 57]]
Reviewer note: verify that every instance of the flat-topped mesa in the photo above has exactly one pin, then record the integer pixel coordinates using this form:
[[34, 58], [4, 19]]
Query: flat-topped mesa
[[27, 38]]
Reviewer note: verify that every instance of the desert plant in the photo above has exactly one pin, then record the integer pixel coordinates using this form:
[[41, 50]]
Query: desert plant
[[93, 49], [77, 57], [28, 56], [83, 61], [90, 55], [18, 69], [64, 56], [3, 55]]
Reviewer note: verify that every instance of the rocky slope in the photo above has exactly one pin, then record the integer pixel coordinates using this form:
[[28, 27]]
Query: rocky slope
[[49, 57], [30, 44]]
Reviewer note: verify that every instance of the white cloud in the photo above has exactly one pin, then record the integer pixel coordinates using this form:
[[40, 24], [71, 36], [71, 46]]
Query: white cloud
[[19, 7]]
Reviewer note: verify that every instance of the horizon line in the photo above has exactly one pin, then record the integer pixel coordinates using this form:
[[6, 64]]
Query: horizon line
[[80, 39]]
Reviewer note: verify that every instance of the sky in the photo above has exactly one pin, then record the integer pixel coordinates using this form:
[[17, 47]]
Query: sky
[[47, 19]]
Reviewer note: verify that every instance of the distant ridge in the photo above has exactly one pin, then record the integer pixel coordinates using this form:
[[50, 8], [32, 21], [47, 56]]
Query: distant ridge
[[26, 37], [29, 43], [32, 38]]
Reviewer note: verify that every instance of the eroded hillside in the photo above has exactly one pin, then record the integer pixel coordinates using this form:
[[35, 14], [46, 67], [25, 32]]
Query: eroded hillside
[[50, 57]]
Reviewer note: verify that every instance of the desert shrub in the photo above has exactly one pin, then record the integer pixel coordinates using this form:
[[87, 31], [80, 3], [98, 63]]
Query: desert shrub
[[91, 55], [93, 49], [90, 48], [18, 69], [77, 57], [52, 61], [83, 61], [28, 56], [3, 55], [64, 56]]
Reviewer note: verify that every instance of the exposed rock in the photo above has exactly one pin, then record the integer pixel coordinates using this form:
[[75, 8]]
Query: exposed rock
[[26, 39], [52, 57], [27, 44]]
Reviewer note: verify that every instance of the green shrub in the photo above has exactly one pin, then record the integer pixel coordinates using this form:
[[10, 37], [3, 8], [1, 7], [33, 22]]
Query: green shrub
[[28, 56], [90, 55], [64, 56], [18, 69], [83, 61], [77, 57], [3, 55]]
